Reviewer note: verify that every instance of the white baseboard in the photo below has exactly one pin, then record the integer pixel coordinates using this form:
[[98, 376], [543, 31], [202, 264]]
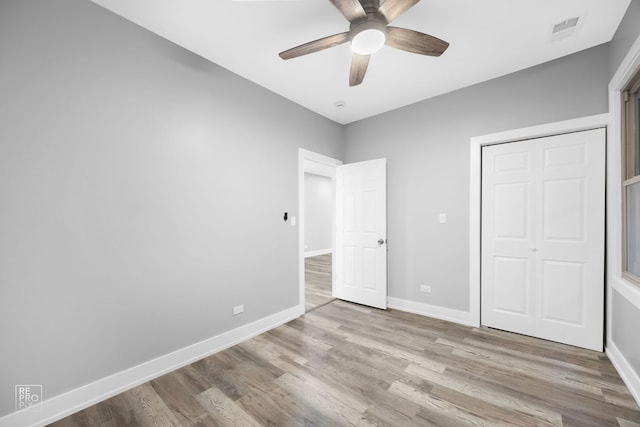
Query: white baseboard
[[60, 406], [318, 252], [626, 372], [442, 313]]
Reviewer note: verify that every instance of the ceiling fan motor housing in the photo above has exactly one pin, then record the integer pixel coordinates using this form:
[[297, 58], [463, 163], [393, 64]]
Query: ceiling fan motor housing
[[367, 36], [372, 23]]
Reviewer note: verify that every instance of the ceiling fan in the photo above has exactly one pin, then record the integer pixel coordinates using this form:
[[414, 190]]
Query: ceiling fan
[[369, 31]]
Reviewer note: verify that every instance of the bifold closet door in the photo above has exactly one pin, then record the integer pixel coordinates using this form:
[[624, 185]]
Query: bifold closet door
[[543, 237]]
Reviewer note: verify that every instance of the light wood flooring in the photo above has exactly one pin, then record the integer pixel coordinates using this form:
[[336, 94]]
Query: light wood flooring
[[317, 281], [343, 364]]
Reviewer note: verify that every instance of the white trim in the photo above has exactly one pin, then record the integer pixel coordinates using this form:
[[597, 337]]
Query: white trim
[[627, 68], [627, 290], [319, 252], [75, 400], [547, 129], [475, 170], [626, 372], [620, 80], [631, 181], [305, 156], [442, 313]]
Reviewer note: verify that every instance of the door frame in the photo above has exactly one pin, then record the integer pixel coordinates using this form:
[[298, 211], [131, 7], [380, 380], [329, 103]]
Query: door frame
[[475, 188], [304, 157]]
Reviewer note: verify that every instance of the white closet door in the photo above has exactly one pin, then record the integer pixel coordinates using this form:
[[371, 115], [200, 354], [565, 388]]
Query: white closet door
[[543, 237]]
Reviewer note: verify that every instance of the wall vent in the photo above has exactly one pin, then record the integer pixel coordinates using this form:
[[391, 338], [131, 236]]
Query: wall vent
[[565, 25]]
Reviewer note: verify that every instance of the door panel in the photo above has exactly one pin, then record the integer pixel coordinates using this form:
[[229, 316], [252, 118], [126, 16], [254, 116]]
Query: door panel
[[511, 221], [564, 303], [543, 205], [565, 156], [361, 221], [507, 261], [511, 285], [507, 163], [564, 209], [571, 238]]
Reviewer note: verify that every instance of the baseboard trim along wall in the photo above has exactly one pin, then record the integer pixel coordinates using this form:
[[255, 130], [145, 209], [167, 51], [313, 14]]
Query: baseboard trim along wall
[[442, 313], [318, 252], [626, 372], [68, 403]]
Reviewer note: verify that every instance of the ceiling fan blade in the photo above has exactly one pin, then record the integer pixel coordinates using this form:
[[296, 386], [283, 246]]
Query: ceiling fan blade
[[314, 46], [415, 42], [350, 9], [359, 64], [392, 9]]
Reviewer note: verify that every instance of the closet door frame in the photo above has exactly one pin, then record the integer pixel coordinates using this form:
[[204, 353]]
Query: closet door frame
[[475, 193]]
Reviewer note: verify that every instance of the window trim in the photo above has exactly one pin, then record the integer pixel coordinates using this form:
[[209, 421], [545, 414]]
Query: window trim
[[614, 280], [628, 131]]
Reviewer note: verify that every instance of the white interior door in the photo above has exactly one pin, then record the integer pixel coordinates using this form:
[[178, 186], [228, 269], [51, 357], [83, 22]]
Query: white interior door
[[360, 264], [543, 237]]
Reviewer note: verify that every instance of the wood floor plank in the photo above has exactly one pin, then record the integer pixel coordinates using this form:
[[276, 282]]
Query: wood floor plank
[[269, 410], [319, 384], [180, 396], [487, 395], [391, 410], [520, 366], [453, 414], [535, 345], [317, 281], [565, 364], [332, 405], [278, 350], [493, 415], [224, 411], [152, 410], [302, 411], [625, 423]]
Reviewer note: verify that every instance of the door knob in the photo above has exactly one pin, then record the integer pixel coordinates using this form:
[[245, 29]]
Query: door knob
[[381, 241]]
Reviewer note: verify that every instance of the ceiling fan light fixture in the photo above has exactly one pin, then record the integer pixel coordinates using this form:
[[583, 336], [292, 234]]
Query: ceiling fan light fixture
[[368, 37]]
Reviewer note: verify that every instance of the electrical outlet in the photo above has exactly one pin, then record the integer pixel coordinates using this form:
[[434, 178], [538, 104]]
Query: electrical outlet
[[238, 309], [426, 289]]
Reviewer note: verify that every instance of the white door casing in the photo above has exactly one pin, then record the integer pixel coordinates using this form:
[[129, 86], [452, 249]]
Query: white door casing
[[543, 237], [308, 161], [360, 264]]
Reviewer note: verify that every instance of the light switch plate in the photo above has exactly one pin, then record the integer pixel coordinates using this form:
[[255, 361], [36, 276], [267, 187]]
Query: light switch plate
[[443, 218]]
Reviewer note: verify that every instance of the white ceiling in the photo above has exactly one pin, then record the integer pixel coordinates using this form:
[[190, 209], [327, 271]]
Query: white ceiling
[[488, 39]]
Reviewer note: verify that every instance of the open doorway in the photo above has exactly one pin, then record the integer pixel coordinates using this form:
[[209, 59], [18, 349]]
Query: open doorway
[[359, 228], [318, 245], [316, 222]]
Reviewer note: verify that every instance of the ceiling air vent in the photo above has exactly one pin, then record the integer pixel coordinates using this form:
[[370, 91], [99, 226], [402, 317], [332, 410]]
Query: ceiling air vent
[[565, 25], [564, 29]]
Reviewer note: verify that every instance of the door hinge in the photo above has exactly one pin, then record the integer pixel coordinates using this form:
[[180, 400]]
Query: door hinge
[[625, 96]]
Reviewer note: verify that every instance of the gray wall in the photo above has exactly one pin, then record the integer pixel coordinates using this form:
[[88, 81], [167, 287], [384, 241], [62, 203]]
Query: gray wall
[[427, 147], [626, 35], [318, 212], [134, 196], [626, 316]]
